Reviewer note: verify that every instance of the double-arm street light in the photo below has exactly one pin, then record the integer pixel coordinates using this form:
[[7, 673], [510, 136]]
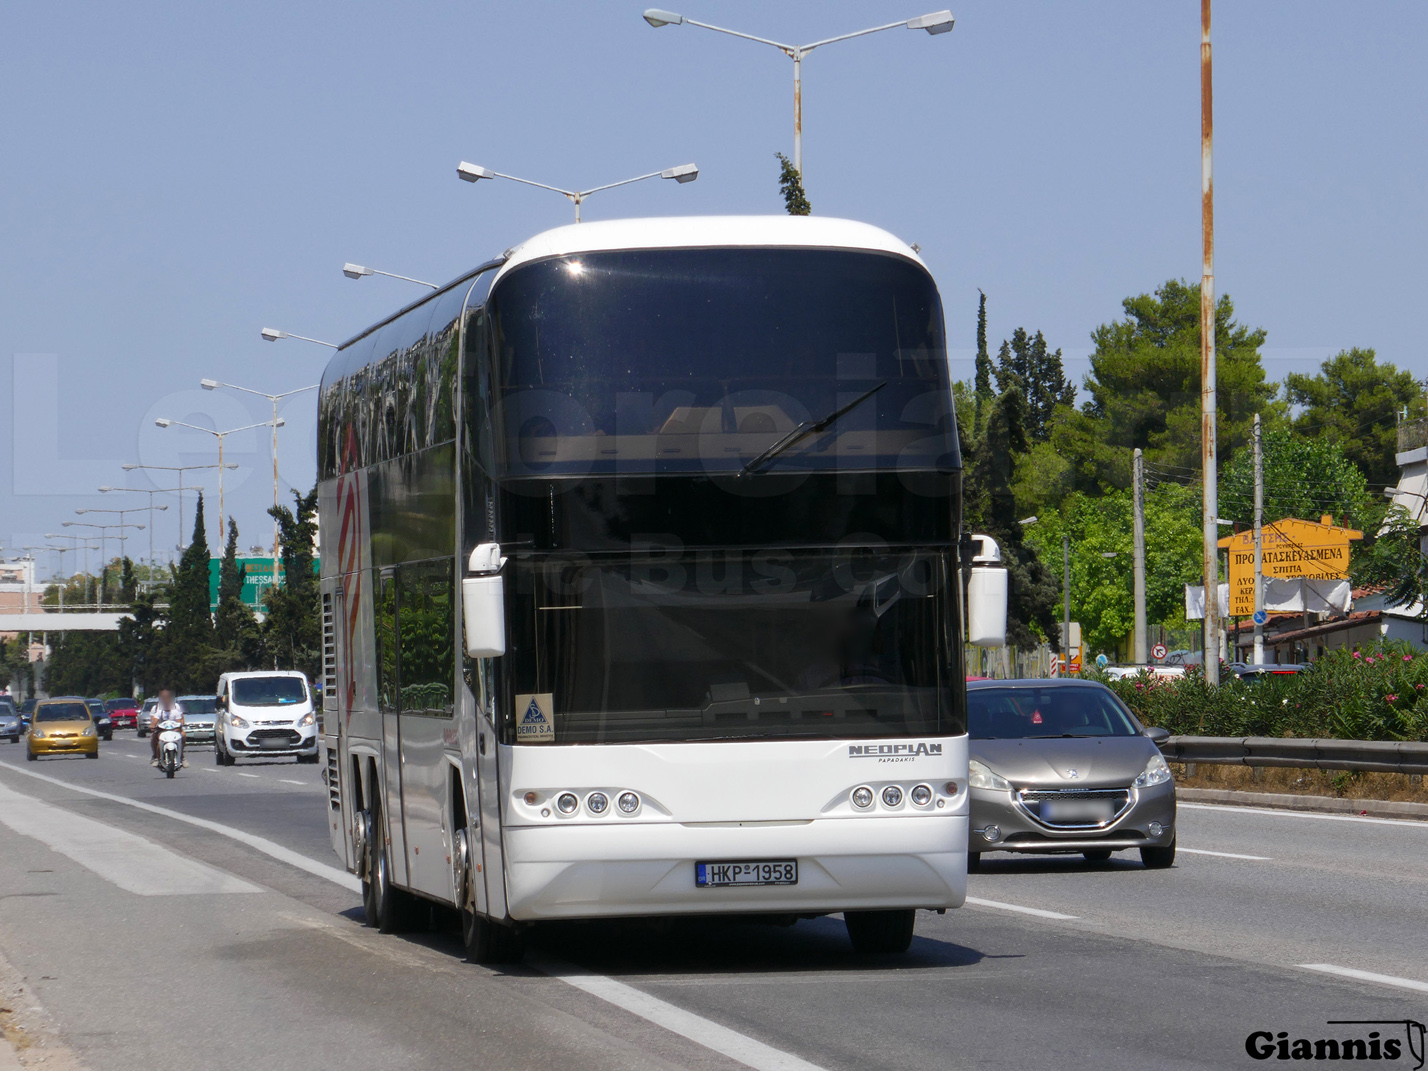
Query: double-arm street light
[[213, 384], [78, 543], [164, 422], [272, 334], [935, 23], [681, 174], [180, 469], [150, 507], [357, 271], [103, 528]]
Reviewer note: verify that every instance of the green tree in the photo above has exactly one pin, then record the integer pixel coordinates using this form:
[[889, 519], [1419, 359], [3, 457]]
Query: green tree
[[235, 628], [292, 633], [186, 652], [790, 184], [1355, 401], [1025, 360], [1144, 389], [1395, 559], [1303, 477], [989, 506], [983, 384]]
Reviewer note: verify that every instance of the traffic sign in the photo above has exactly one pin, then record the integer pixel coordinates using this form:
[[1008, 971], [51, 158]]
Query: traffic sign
[[1102, 661], [1260, 617], [1158, 652]]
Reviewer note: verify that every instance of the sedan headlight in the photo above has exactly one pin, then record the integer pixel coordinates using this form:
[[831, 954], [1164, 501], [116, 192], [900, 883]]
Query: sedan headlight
[[1155, 773], [981, 776], [88, 731], [235, 722], [308, 719], [37, 734]]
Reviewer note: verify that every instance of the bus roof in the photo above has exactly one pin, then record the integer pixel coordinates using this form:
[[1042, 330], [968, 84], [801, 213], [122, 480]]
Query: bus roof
[[694, 232]]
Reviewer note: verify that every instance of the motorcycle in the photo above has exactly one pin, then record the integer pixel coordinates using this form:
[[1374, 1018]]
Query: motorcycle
[[170, 746]]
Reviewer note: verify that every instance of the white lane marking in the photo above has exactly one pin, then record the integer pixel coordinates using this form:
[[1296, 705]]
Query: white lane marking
[[290, 781], [133, 863], [1367, 976], [696, 1028], [261, 844], [241, 774], [702, 1031], [1227, 855], [1040, 913], [1286, 813]]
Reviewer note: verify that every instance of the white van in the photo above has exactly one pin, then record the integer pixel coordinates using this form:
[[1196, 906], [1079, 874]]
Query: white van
[[265, 712]]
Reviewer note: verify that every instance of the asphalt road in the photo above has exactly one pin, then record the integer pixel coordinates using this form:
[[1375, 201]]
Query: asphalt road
[[155, 943]]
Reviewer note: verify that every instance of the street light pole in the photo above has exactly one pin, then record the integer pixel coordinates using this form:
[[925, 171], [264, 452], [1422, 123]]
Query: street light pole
[[1208, 452], [213, 384], [474, 173], [164, 422], [180, 469], [936, 23]]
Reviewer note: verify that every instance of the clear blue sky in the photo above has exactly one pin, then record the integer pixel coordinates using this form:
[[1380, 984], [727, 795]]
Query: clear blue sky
[[177, 175]]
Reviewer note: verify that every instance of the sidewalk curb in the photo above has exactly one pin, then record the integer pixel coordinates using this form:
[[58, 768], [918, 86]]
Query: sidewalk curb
[[1287, 802]]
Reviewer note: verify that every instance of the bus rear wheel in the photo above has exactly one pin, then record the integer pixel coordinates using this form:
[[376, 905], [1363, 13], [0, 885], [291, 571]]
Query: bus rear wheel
[[880, 931]]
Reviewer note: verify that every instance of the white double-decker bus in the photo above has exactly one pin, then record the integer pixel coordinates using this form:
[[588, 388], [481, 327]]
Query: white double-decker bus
[[641, 585]]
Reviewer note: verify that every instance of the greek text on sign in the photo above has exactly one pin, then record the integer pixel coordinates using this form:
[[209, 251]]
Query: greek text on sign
[[1291, 548]]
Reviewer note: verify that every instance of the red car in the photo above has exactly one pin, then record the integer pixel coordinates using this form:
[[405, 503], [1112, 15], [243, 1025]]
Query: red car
[[123, 713]]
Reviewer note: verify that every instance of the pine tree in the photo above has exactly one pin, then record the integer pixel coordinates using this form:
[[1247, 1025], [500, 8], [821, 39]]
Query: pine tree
[[1039, 375], [983, 385], [790, 184], [235, 629], [292, 633]]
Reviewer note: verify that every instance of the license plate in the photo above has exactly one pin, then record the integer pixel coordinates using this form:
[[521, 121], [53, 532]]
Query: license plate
[[1078, 812], [274, 744], [756, 872]]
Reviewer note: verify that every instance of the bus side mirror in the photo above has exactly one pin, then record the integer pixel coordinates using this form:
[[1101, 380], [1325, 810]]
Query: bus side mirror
[[987, 596], [483, 603]]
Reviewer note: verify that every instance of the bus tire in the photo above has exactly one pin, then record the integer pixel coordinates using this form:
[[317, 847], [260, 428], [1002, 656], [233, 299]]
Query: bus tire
[[875, 932], [489, 942]]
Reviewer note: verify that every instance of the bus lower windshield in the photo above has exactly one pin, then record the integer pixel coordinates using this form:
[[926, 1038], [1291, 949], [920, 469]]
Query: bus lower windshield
[[733, 645]]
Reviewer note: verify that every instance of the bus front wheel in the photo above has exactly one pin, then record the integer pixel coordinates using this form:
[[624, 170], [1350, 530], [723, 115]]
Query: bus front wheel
[[490, 942], [880, 931]]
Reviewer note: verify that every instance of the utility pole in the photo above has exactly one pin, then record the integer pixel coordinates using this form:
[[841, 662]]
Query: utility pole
[[1208, 460], [1066, 632], [1139, 641], [1258, 543]]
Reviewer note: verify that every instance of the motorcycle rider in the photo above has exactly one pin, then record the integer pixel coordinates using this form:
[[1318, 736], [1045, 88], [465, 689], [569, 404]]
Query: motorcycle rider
[[167, 710]]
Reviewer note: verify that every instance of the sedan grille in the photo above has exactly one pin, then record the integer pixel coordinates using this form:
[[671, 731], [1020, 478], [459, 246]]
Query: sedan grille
[[1075, 808]]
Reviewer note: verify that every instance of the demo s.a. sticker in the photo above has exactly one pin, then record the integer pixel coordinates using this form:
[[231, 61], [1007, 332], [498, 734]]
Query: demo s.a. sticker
[[535, 718]]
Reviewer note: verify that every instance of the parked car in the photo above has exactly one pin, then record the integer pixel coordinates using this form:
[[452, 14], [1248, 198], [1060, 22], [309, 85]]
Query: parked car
[[60, 727], [1251, 674], [1155, 669], [10, 725], [123, 713], [142, 724], [200, 713], [1060, 766], [103, 724], [265, 713], [27, 709]]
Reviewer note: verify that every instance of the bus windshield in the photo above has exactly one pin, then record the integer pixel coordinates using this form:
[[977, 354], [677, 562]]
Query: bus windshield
[[689, 360], [733, 645]]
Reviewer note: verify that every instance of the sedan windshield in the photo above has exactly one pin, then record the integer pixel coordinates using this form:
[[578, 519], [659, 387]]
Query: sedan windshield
[[62, 712], [1031, 713], [268, 691]]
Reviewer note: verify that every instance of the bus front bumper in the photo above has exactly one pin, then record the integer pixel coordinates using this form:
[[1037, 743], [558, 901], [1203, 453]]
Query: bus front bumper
[[600, 870]]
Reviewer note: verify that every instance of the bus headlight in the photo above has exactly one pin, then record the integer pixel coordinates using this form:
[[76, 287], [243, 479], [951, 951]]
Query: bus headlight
[[981, 776], [921, 795], [892, 796], [628, 802], [1155, 773], [598, 802], [566, 803], [862, 797]]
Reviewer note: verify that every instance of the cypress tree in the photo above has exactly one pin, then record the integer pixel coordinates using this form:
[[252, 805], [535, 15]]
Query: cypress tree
[[188, 634], [983, 384]]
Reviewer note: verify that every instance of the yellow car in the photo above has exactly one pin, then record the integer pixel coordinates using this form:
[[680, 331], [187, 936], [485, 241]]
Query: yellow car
[[62, 727]]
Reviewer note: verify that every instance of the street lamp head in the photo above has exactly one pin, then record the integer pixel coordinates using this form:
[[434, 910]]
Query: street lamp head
[[68, 524], [128, 466], [280, 423], [161, 508], [163, 422], [1028, 520], [272, 334], [935, 23], [209, 384], [81, 511], [107, 488], [472, 172], [657, 18], [356, 271], [682, 173]]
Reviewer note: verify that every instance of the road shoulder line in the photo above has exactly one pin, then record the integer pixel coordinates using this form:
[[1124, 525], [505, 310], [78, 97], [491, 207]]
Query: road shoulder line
[[1041, 913], [1366, 976]]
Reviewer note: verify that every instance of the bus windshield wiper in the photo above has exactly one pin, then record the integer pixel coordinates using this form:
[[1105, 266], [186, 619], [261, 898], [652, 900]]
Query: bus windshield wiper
[[807, 428]]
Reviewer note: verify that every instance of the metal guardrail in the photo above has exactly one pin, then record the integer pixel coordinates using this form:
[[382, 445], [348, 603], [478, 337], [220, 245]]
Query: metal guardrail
[[1360, 756]]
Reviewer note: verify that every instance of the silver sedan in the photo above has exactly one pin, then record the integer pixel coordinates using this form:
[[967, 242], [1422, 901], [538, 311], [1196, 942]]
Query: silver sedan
[[1060, 766]]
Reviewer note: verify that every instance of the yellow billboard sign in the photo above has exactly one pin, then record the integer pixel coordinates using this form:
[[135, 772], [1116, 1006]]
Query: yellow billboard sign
[[1291, 549]]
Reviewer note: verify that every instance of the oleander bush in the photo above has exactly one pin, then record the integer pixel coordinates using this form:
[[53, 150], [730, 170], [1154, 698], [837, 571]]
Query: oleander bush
[[1375, 694]]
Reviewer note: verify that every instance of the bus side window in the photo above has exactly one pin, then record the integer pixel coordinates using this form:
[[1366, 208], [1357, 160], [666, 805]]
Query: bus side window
[[426, 628], [385, 613]]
